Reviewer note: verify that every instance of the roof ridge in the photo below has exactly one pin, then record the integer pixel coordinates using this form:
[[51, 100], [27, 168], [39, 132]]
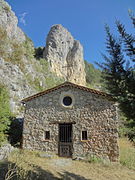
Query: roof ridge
[[66, 83]]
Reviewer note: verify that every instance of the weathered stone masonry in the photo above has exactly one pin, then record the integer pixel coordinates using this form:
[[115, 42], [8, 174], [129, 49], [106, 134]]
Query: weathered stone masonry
[[90, 112]]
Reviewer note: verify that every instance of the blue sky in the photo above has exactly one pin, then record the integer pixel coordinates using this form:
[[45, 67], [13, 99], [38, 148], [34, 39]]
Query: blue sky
[[85, 20]]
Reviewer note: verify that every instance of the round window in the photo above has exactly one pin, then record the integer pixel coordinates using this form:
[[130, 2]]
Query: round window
[[67, 100]]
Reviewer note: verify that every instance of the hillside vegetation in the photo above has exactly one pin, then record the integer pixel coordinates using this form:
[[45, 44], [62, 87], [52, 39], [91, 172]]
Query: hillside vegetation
[[5, 113], [30, 165], [93, 76], [23, 55]]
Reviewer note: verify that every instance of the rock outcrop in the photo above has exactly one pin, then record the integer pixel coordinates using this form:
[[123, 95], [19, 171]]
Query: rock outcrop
[[9, 21], [65, 55], [5, 151], [21, 73], [14, 79], [11, 42]]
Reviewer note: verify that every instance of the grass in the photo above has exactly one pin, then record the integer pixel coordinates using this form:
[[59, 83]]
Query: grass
[[127, 153], [29, 165]]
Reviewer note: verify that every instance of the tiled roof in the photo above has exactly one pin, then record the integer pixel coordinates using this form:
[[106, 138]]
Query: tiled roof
[[68, 84]]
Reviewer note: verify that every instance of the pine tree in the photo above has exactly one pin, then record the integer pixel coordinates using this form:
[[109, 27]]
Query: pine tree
[[118, 69]]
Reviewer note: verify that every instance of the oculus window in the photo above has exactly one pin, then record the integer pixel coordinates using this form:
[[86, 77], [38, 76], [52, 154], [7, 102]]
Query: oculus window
[[67, 101]]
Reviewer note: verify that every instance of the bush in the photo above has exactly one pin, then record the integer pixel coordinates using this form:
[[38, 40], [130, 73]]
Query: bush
[[48, 78], [95, 159], [28, 48], [17, 52], [126, 127], [5, 113], [38, 52], [93, 75], [4, 41], [14, 51]]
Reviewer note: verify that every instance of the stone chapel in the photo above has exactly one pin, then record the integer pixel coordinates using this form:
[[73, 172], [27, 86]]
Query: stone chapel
[[71, 121]]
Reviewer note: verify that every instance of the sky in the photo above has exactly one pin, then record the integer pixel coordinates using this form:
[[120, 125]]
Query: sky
[[85, 19]]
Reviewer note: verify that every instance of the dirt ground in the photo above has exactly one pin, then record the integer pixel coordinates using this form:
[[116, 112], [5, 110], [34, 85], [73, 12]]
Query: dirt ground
[[33, 165], [56, 168], [67, 169]]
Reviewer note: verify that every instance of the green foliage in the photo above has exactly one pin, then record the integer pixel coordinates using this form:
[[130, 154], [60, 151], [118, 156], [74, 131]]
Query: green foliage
[[4, 40], [5, 113], [127, 153], [47, 79], [124, 128], [95, 159], [51, 79], [28, 48], [118, 74], [93, 75], [21, 50], [45, 66], [13, 51], [38, 52], [17, 52]]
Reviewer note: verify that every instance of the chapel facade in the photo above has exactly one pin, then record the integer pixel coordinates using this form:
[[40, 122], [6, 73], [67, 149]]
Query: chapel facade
[[71, 121]]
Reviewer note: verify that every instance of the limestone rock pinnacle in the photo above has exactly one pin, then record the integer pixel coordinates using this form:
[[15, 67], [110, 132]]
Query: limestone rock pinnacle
[[65, 55]]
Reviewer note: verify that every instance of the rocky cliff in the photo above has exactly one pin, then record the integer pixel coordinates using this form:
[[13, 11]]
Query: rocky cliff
[[9, 21], [22, 73], [65, 55]]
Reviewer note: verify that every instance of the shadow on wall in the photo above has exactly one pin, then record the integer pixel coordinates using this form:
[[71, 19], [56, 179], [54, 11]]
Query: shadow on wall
[[10, 171]]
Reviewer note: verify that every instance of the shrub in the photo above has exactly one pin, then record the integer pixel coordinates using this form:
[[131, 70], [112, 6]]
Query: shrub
[[50, 79], [126, 127], [38, 52], [4, 41], [5, 113], [95, 159], [14, 51], [17, 52], [28, 48], [93, 75], [45, 66]]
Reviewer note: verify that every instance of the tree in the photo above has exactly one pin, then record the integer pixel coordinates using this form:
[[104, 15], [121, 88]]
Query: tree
[[39, 52], [118, 69], [5, 113]]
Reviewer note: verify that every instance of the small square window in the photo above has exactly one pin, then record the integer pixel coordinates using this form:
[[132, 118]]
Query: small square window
[[84, 135], [47, 135]]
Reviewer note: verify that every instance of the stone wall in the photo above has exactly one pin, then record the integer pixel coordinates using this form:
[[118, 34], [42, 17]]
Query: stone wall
[[89, 111]]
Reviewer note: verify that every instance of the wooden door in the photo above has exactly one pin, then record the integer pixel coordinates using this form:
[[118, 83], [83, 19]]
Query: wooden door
[[65, 140]]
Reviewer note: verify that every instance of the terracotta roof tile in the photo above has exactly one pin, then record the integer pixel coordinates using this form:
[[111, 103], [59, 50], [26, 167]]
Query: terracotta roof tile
[[68, 84]]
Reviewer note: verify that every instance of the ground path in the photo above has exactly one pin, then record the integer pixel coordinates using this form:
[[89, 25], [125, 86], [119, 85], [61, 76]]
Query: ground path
[[68, 169]]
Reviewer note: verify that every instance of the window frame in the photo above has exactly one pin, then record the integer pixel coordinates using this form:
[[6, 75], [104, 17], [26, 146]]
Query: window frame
[[63, 95], [45, 136], [65, 103], [85, 134]]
